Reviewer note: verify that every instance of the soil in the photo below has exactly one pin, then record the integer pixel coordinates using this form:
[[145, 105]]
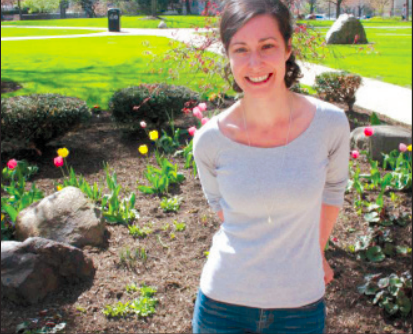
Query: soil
[[174, 265], [9, 86]]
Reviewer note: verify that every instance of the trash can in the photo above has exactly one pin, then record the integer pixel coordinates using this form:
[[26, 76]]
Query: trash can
[[114, 19]]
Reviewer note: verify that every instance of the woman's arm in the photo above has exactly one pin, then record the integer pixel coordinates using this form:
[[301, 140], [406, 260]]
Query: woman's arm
[[329, 215]]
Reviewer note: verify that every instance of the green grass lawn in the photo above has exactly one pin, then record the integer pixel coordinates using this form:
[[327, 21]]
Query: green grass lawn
[[23, 32], [126, 22], [366, 23], [392, 63], [90, 68]]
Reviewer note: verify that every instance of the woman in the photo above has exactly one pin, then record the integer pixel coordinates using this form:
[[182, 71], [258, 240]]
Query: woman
[[274, 167]]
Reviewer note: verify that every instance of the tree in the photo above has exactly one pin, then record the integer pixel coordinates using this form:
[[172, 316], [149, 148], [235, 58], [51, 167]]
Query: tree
[[313, 5], [188, 6], [379, 5], [41, 6]]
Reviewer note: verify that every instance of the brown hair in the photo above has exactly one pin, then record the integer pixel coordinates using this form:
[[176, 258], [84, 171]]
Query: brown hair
[[238, 12]]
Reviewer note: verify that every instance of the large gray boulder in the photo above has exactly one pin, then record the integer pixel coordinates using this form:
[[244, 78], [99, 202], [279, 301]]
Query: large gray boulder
[[66, 216], [33, 269], [162, 25], [386, 138], [346, 30]]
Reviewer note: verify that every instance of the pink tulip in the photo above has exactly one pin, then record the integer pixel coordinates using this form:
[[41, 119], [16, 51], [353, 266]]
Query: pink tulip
[[203, 107], [59, 161], [197, 113], [12, 164], [143, 124], [355, 154], [402, 147], [369, 131], [192, 130], [206, 119]]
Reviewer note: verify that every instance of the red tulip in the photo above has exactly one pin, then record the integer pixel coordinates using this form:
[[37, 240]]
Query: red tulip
[[192, 130], [12, 164], [59, 161], [355, 154], [369, 131]]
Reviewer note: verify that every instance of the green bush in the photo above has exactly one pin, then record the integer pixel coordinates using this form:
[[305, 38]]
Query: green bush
[[38, 119], [153, 104], [296, 88], [338, 87]]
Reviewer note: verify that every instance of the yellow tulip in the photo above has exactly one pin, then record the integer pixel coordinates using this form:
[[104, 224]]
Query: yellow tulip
[[2, 217], [59, 188], [63, 152], [409, 148], [153, 135], [143, 149]]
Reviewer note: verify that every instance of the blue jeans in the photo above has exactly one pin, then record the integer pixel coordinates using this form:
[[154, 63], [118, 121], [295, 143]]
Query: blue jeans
[[211, 316]]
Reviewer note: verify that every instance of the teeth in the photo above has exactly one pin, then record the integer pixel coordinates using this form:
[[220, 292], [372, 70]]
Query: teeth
[[259, 79]]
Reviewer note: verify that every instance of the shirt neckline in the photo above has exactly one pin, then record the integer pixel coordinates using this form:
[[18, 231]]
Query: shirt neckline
[[257, 148]]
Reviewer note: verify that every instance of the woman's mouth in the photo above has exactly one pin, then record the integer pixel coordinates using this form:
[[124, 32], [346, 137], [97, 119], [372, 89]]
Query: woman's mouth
[[259, 80]]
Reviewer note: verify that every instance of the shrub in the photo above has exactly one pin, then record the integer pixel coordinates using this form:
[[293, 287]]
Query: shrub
[[338, 87], [153, 104], [38, 119]]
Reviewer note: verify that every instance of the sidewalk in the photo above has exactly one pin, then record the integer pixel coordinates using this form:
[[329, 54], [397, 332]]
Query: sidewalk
[[384, 98]]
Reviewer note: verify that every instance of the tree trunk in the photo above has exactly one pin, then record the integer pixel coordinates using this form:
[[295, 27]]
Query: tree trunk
[[62, 9], [407, 10], [312, 5], [188, 7], [153, 8], [20, 10], [338, 8]]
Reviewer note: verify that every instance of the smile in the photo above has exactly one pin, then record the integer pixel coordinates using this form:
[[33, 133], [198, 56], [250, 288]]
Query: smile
[[259, 80]]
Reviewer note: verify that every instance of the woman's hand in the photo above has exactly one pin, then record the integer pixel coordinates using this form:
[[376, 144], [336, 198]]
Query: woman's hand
[[328, 272]]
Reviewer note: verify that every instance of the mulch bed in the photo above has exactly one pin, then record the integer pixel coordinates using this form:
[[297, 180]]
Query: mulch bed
[[175, 267]]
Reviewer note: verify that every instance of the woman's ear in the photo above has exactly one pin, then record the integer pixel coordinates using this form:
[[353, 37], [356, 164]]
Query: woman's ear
[[289, 49]]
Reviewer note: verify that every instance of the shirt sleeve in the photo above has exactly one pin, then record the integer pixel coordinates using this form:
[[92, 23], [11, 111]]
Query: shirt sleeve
[[339, 153], [203, 151]]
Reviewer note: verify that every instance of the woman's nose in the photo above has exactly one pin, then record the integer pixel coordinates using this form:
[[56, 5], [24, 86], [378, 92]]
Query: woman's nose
[[255, 59]]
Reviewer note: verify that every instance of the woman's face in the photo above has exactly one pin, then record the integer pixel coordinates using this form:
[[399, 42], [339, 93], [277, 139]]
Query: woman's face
[[257, 55]]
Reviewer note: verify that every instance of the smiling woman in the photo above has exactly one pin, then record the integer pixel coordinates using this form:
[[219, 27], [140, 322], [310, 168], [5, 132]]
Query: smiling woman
[[274, 167]]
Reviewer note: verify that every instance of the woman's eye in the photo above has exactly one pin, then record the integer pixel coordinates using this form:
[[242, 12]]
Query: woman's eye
[[240, 50], [268, 46]]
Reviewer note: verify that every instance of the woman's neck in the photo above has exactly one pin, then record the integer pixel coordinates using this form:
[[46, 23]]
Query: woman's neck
[[269, 112]]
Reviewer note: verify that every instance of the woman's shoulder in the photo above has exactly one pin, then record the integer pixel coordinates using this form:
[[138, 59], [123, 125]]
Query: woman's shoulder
[[207, 136], [330, 115]]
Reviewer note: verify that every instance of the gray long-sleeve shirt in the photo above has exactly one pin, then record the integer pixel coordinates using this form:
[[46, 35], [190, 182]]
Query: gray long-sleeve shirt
[[271, 265]]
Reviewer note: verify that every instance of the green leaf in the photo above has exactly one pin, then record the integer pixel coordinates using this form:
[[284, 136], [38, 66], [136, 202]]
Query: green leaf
[[402, 250], [383, 283], [12, 212], [374, 119], [372, 217], [391, 308], [375, 254]]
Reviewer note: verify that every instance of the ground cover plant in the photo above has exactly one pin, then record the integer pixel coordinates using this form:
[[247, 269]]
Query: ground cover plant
[[166, 244], [126, 22], [23, 32]]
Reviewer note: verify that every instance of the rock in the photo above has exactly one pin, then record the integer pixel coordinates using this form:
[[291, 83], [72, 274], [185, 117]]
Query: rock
[[386, 138], [345, 31], [162, 25], [66, 216], [37, 267]]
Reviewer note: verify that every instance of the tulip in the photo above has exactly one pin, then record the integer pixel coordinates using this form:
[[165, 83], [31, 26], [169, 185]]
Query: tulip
[[2, 217], [369, 131], [203, 107], [143, 124], [59, 162], [96, 107], [63, 152], [402, 147], [204, 120], [153, 135], [192, 130], [12, 164], [409, 148], [59, 188], [335, 240], [143, 149], [355, 154], [197, 113], [136, 108]]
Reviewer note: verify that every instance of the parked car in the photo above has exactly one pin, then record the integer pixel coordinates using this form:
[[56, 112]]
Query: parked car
[[316, 17]]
